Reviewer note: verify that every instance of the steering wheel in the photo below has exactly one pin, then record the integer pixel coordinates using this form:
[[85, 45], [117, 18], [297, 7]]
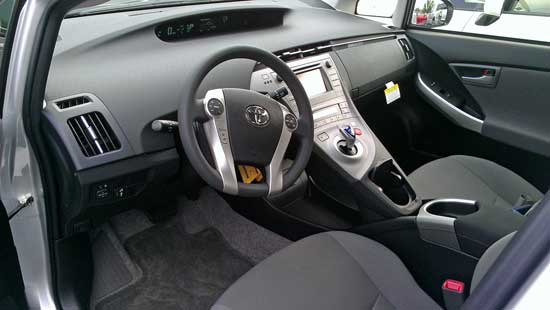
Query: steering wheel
[[245, 127]]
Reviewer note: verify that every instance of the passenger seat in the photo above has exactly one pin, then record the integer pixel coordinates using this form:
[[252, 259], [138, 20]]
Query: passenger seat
[[467, 177]]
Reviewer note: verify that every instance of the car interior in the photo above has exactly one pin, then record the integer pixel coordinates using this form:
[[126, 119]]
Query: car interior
[[286, 155]]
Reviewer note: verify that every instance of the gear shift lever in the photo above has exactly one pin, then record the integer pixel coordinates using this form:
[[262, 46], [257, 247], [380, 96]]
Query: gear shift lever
[[348, 147]]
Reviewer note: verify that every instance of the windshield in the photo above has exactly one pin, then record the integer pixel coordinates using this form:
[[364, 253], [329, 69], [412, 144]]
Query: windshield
[[103, 6]]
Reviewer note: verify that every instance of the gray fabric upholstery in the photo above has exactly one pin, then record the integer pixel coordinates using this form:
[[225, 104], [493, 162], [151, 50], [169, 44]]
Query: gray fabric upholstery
[[488, 258], [471, 178], [334, 270]]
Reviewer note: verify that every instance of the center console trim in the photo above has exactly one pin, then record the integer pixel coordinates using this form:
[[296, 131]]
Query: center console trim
[[439, 229]]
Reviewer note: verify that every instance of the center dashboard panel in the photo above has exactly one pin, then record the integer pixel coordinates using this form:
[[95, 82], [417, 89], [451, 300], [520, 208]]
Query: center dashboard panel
[[329, 78], [329, 75], [330, 105]]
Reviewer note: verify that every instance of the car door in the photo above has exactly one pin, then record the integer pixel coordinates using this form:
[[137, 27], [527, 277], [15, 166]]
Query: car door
[[493, 82], [12, 291]]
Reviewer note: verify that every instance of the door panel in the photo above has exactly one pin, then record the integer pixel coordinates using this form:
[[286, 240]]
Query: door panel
[[506, 80], [456, 47], [517, 109]]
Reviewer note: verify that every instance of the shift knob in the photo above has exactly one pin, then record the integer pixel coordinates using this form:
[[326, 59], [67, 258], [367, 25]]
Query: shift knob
[[349, 136]]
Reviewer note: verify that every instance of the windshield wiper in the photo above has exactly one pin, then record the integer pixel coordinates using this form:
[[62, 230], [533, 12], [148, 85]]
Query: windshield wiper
[[136, 5]]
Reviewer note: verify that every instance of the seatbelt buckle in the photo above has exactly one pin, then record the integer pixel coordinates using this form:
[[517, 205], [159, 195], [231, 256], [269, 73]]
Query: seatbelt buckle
[[453, 294]]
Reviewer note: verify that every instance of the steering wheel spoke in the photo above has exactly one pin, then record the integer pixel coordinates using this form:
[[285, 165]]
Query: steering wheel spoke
[[275, 169], [217, 135]]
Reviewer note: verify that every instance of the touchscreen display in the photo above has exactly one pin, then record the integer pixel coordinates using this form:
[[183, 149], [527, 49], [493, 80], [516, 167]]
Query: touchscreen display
[[313, 82]]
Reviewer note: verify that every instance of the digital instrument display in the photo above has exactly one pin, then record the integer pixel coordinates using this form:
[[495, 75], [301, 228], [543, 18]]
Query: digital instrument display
[[313, 82], [326, 112], [216, 23]]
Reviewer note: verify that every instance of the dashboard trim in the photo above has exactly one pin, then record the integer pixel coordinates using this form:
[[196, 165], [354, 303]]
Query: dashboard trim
[[59, 117]]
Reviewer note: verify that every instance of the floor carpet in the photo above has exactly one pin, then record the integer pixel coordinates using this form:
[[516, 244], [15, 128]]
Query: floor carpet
[[180, 270]]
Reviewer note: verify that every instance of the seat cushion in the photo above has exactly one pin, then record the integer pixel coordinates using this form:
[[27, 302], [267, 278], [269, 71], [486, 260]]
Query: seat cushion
[[333, 270], [471, 178]]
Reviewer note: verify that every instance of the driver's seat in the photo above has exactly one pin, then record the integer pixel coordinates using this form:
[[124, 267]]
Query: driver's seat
[[335, 270]]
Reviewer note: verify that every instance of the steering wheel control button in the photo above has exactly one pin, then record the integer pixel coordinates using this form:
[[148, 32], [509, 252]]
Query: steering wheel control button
[[323, 136], [224, 137], [291, 122], [215, 107], [277, 77], [257, 116]]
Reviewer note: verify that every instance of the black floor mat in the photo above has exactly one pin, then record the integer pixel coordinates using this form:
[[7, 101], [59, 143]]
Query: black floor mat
[[180, 271]]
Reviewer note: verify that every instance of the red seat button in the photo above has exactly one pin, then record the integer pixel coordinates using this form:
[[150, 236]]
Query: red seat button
[[453, 285]]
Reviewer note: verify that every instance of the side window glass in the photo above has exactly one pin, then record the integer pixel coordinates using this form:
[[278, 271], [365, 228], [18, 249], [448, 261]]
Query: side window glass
[[535, 7], [511, 19], [376, 8], [6, 10], [433, 13]]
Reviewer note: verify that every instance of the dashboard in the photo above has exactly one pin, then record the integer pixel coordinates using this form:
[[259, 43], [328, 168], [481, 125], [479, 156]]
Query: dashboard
[[112, 75]]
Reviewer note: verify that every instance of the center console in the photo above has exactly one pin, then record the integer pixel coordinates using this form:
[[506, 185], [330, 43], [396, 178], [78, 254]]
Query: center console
[[342, 138]]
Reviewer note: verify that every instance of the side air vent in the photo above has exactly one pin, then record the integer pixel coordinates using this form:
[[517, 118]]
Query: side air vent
[[93, 134], [73, 102], [406, 47]]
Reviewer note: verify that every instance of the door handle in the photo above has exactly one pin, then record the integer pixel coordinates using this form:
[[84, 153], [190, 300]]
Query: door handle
[[479, 75], [483, 79]]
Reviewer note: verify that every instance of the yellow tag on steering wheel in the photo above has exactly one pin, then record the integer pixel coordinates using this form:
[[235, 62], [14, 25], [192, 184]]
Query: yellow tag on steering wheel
[[250, 174]]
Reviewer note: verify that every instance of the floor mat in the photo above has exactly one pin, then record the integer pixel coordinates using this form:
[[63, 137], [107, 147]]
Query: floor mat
[[113, 268], [211, 210], [180, 270]]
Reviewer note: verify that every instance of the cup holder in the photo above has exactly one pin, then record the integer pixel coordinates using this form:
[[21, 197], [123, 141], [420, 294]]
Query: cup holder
[[451, 207], [393, 183]]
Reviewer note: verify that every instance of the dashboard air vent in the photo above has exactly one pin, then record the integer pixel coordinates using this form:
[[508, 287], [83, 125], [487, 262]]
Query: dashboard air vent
[[72, 102], [304, 51], [93, 134], [406, 47]]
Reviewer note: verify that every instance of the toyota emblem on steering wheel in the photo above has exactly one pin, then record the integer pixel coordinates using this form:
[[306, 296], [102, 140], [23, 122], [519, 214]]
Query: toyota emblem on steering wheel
[[257, 116]]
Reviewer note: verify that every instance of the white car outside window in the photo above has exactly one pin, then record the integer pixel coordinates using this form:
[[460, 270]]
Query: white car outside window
[[524, 19]]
